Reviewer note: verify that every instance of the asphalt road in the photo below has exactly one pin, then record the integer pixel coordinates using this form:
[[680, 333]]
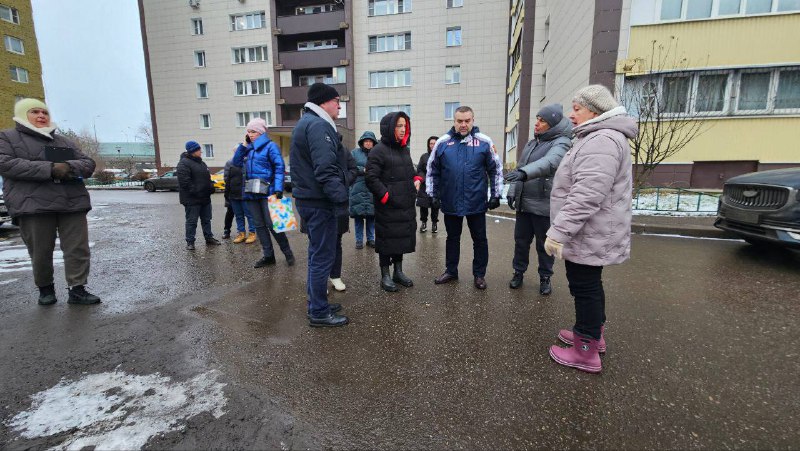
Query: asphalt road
[[200, 350]]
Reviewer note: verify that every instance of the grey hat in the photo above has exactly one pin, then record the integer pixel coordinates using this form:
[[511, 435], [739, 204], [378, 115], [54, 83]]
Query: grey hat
[[552, 114], [596, 98]]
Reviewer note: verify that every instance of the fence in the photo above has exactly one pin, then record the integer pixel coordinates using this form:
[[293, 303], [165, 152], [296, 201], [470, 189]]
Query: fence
[[115, 184], [675, 199]]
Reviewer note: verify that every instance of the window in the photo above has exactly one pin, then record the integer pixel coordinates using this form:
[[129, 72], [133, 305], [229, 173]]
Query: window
[[452, 75], [676, 94], [386, 7], [208, 151], [728, 7], [314, 9], [256, 54], [390, 42], [339, 74], [711, 93], [205, 121], [9, 14], [788, 89], [14, 45], [671, 9], [199, 58], [698, 9], [390, 78], [758, 6], [455, 3], [513, 96], [243, 118], [376, 113], [252, 87], [308, 80], [788, 5], [704, 9], [197, 26], [248, 21], [453, 36], [318, 45], [450, 109], [18, 74], [202, 90], [753, 91], [511, 138]]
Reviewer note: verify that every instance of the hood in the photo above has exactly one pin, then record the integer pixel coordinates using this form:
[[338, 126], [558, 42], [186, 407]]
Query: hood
[[365, 136], [314, 108], [387, 128], [781, 177], [615, 119], [563, 128], [186, 155], [261, 141]]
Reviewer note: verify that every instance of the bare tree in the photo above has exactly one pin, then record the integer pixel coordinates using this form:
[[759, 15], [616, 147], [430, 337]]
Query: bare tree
[[145, 130], [666, 109], [87, 144]]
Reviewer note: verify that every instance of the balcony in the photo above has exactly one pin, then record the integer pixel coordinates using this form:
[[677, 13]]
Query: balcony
[[310, 59], [310, 23], [299, 94]]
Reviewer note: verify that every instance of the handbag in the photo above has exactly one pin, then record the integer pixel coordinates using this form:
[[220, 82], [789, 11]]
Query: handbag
[[281, 214], [256, 186]]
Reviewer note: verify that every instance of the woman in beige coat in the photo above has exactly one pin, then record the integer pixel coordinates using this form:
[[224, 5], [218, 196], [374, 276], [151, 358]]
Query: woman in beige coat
[[590, 210]]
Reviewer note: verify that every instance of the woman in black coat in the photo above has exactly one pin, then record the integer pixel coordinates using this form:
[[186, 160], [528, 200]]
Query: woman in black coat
[[390, 177], [423, 200]]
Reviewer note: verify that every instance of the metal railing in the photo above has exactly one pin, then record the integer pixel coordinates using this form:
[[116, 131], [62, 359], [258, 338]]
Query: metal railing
[[113, 184], [675, 199]]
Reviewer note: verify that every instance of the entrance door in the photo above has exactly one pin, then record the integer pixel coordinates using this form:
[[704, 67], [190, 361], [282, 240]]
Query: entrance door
[[712, 174]]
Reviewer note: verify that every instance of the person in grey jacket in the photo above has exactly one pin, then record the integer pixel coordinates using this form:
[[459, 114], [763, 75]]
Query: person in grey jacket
[[590, 207], [529, 193], [46, 197]]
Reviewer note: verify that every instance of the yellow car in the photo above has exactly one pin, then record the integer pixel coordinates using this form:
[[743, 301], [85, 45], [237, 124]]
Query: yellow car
[[218, 180]]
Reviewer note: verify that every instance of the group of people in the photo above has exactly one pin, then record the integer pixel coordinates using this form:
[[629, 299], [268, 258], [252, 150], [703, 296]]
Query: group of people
[[571, 190]]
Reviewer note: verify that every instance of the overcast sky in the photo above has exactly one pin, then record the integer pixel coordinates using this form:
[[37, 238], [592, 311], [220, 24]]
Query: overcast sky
[[93, 65]]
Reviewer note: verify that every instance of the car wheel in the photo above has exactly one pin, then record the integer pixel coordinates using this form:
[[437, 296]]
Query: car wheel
[[149, 187]]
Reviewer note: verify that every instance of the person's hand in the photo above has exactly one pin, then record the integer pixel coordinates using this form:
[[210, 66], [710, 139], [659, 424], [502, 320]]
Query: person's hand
[[416, 184], [61, 171], [279, 194], [553, 248], [494, 202], [516, 176], [511, 200], [435, 203]]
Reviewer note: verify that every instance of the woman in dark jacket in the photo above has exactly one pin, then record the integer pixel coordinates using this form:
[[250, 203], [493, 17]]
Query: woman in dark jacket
[[362, 209], [423, 200], [233, 195], [390, 177]]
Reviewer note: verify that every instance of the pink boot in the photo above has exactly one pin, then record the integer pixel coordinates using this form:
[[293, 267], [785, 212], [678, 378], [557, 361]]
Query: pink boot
[[583, 355], [568, 337]]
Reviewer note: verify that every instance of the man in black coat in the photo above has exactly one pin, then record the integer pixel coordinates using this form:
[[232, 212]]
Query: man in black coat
[[194, 182]]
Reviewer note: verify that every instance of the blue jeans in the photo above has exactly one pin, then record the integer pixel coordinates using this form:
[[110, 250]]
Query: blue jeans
[[263, 224], [241, 212], [358, 222], [192, 213], [321, 226]]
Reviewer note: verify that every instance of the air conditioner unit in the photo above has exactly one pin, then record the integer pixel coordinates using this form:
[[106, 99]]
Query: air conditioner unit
[[194, 3]]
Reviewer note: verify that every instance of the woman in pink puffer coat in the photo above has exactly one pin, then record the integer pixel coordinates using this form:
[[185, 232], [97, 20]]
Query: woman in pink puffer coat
[[590, 212]]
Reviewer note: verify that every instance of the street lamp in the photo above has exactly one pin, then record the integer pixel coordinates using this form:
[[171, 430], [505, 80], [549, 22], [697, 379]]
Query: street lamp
[[94, 126]]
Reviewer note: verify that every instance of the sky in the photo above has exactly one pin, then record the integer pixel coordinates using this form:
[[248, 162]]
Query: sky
[[93, 65]]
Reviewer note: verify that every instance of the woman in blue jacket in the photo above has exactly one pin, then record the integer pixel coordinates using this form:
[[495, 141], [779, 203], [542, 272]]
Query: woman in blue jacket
[[263, 171]]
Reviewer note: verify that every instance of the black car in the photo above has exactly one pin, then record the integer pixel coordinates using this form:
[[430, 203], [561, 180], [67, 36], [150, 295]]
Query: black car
[[762, 207], [168, 180], [4, 217]]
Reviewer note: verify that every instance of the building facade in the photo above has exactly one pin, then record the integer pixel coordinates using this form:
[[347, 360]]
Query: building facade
[[20, 57], [730, 66]]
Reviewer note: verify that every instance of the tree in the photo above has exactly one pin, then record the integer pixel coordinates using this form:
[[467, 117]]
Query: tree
[[666, 119], [144, 132], [87, 145]]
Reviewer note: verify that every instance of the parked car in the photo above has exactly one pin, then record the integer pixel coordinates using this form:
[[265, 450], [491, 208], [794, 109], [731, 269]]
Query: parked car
[[168, 181], [762, 207], [4, 217], [218, 179]]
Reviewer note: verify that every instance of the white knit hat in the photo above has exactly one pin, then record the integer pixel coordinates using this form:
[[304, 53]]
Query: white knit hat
[[596, 98]]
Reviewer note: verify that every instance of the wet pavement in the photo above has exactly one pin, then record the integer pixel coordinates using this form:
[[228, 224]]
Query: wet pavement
[[700, 353]]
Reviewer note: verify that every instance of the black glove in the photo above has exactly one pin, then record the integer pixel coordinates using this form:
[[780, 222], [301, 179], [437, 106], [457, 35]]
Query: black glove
[[510, 200], [494, 202], [279, 194], [516, 176], [60, 171], [435, 203]]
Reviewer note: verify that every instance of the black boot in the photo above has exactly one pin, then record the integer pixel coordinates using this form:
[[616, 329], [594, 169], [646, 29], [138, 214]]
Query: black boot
[[544, 286], [79, 295], [516, 281], [47, 295], [265, 261], [401, 278], [386, 280], [423, 227], [434, 227]]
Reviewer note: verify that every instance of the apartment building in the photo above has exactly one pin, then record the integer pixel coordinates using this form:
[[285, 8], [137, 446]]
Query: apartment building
[[21, 58], [555, 48], [733, 66]]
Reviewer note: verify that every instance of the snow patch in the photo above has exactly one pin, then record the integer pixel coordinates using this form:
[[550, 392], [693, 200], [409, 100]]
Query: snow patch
[[15, 258], [115, 410]]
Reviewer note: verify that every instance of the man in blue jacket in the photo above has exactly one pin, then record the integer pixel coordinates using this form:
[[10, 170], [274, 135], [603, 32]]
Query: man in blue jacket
[[463, 162], [320, 190]]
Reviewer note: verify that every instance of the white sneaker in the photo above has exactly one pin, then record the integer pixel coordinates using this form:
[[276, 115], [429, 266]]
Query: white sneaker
[[338, 285]]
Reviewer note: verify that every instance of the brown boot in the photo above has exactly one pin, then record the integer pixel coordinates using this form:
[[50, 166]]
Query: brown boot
[[240, 237], [251, 238]]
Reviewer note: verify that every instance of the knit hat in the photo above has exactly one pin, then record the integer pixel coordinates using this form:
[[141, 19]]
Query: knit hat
[[257, 125], [552, 114], [22, 107], [596, 98], [320, 93], [192, 146]]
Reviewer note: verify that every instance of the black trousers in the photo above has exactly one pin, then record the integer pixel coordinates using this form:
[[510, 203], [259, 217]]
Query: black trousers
[[586, 286], [480, 245], [336, 271], [528, 227], [228, 220], [386, 259], [423, 214]]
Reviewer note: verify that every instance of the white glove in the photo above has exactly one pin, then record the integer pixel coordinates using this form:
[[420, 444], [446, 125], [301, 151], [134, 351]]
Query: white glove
[[553, 248]]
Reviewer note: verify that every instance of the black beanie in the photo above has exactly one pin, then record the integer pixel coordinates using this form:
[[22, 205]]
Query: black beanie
[[552, 114], [320, 93]]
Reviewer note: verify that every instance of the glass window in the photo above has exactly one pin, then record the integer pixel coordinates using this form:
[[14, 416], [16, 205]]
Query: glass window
[[250, 54], [698, 9], [676, 94], [788, 89], [711, 93], [200, 58], [753, 91], [251, 87], [727, 7], [9, 14], [197, 26], [453, 36], [14, 45], [243, 118], [376, 113], [450, 109], [18, 74], [758, 6], [205, 121], [455, 3], [248, 21], [671, 9], [788, 5], [202, 90], [452, 74], [208, 151], [386, 7], [389, 43], [390, 79]]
